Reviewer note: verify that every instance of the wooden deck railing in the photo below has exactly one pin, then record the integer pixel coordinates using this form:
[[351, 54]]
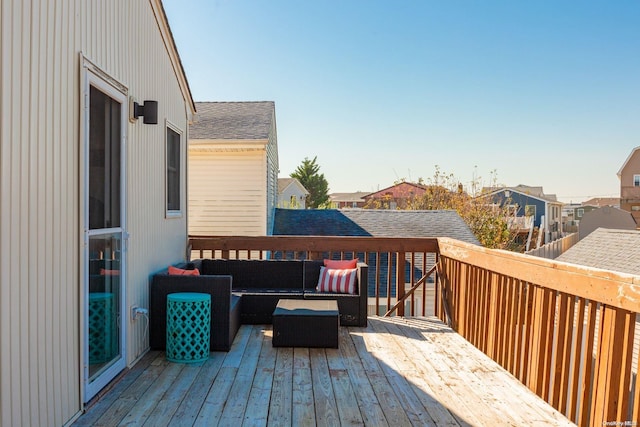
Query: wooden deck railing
[[567, 332], [388, 259]]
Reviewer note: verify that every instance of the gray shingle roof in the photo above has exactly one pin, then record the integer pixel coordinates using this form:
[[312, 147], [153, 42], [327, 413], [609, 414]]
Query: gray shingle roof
[[614, 250], [372, 222], [284, 183], [233, 120]]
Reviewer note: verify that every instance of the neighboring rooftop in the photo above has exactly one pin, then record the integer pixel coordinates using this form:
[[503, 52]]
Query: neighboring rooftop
[[401, 190], [348, 197], [372, 222], [233, 120], [602, 201], [614, 250], [283, 183], [524, 189]]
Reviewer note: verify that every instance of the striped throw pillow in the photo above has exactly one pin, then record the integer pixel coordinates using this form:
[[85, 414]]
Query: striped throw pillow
[[337, 280]]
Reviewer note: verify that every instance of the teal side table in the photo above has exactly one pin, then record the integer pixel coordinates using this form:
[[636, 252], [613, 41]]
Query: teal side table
[[103, 333], [188, 327]]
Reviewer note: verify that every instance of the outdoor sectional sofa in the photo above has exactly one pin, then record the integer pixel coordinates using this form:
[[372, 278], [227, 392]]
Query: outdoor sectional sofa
[[247, 292]]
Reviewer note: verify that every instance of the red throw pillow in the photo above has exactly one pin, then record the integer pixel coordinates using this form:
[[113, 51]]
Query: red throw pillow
[[174, 271], [337, 280], [106, 272], [341, 264]]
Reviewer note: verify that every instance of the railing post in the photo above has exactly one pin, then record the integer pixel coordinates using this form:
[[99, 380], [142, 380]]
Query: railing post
[[400, 280], [613, 367], [543, 312]]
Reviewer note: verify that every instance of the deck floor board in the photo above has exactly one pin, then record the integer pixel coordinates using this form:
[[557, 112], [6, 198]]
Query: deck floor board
[[396, 371]]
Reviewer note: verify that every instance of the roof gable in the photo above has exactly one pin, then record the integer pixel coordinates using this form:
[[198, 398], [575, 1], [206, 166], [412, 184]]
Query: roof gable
[[525, 190], [172, 51], [633, 153], [284, 183]]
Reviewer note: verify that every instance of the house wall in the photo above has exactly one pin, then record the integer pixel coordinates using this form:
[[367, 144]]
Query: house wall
[[273, 168], [284, 199], [522, 201], [41, 48], [228, 193], [629, 194]]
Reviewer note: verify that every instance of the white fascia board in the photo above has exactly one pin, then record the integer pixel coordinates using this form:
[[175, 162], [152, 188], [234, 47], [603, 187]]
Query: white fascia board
[[228, 144]]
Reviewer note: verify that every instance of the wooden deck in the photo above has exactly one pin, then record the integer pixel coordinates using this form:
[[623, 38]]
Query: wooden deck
[[395, 372]]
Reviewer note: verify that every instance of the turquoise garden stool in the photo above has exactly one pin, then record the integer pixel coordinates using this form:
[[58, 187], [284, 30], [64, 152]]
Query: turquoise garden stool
[[103, 332], [188, 327]]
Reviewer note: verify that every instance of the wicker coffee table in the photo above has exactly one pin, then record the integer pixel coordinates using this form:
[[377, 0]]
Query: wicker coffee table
[[306, 323]]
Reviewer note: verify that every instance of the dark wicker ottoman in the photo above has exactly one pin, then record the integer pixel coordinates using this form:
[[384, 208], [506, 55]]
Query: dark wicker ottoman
[[306, 323]]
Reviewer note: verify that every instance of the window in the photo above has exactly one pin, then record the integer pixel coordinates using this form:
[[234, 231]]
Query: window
[[580, 212], [530, 210], [636, 180], [173, 172], [635, 208]]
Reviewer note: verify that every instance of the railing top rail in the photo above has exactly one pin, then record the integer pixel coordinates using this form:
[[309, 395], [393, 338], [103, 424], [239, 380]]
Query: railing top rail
[[315, 243], [615, 289]]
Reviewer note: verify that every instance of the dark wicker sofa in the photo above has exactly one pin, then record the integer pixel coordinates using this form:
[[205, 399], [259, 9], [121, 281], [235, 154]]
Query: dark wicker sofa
[[261, 283], [247, 292]]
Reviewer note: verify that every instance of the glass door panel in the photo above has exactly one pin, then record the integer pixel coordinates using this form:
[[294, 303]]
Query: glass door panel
[[104, 314]]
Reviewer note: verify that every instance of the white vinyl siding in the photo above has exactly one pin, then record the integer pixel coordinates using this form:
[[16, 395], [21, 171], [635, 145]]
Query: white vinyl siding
[[227, 193], [272, 176], [41, 49]]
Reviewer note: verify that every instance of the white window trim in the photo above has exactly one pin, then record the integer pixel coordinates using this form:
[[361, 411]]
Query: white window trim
[[636, 179], [169, 214]]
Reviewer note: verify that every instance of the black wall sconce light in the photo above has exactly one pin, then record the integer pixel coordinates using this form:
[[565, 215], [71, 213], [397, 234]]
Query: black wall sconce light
[[149, 110]]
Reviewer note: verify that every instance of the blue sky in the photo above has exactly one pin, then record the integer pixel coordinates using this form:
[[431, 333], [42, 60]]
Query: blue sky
[[541, 92]]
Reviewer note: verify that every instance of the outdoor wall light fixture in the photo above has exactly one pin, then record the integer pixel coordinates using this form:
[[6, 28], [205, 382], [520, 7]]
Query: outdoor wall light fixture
[[149, 110]]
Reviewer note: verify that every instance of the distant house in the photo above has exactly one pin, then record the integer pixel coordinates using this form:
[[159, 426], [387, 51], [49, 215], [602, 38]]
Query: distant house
[[347, 200], [574, 212], [530, 202], [629, 175], [233, 169], [593, 204], [94, 128], [605, 217], [396, 196], [291, 194]]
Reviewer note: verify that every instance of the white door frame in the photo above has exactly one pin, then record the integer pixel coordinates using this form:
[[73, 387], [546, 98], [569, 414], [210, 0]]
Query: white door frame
[[93, 77]]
